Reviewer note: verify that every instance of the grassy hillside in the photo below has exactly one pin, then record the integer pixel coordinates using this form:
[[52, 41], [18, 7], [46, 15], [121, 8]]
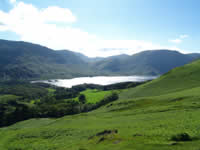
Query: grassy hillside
[[178, 79], [162, 114], [145, 123]]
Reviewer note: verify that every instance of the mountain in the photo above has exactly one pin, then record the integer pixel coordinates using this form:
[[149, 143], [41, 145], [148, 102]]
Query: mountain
[[194, 55], [88, 59], [22, 60], [154, 62]]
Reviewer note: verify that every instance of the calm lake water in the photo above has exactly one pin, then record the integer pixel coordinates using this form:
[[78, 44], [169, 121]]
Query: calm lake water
[[101, 80]]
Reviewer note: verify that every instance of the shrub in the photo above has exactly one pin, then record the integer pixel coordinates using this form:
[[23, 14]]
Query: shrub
[[82, 98], [181, 137]]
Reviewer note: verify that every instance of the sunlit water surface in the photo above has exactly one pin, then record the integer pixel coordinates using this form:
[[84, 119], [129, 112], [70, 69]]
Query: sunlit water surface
[[101, 80]]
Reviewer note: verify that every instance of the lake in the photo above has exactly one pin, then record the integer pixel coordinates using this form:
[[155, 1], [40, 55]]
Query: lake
[[101, 80]]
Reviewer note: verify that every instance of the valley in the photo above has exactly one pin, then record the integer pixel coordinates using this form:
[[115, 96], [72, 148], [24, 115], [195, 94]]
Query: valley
[[159, 114], [99, 75]]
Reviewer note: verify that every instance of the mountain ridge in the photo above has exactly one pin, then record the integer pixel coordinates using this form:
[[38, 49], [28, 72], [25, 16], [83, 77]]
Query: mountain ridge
[[23, 60], [152, 62]]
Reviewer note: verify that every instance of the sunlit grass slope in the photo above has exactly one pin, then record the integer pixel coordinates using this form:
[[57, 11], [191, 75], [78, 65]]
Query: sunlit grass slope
[[134, 122], [177, 79], [94, 95], [143, 123]]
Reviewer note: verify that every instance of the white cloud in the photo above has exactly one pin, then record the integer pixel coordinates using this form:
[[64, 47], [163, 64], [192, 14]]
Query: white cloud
[[106, 48], [12, 1], [184, 36], [42, 26], [176, 41], [180, 39], [57, 14], [23, 13]]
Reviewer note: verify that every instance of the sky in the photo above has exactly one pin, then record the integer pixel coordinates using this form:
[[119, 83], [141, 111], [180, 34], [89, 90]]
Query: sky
[[101, 28]]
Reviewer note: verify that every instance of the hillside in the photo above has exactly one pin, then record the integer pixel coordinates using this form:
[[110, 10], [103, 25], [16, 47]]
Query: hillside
[[185, 77], [21, 60], [162, 114]]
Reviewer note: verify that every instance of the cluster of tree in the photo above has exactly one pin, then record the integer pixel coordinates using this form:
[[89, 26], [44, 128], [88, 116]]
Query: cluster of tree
[[116, 86], [24, 89], [65, 93], [14, 111], [83, 87], [123, 85], [49, 107], [55, 105]]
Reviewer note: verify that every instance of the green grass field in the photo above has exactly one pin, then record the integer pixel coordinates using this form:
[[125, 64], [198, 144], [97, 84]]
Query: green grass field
[[93, 95], [145, 118], [142, 123]]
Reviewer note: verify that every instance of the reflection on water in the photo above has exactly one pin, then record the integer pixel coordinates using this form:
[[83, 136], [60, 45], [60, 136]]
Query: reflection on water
[[101, 80]]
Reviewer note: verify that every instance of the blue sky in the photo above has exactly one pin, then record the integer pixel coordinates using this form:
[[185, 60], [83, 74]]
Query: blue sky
[[103, 27]]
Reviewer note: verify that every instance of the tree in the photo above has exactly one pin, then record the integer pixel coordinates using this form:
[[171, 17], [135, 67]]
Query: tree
[[82, 99]]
